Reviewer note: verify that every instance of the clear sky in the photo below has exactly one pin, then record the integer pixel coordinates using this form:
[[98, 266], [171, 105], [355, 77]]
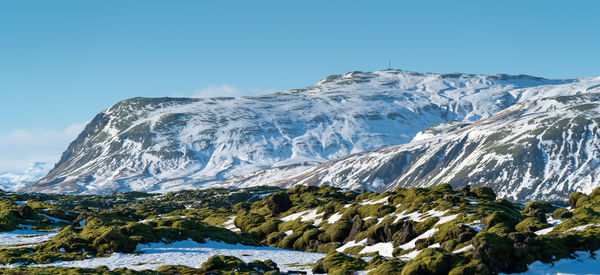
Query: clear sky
[[62, 62]]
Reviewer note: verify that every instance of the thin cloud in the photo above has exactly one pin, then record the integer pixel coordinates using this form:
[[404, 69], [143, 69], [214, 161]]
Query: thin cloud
[[226, 90], [21, 147]]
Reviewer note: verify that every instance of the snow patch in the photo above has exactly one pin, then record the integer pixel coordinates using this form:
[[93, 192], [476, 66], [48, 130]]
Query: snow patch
[[24, 237], [335, 217], [464, 249], [372, 202], [193, 254], [583, 263], [384, 249]]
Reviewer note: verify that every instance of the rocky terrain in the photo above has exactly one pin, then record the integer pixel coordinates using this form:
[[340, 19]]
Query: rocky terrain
[[313, 229]]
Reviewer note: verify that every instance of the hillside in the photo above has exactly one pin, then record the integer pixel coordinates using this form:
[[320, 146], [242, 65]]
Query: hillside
[[541, 149], [162, 144]]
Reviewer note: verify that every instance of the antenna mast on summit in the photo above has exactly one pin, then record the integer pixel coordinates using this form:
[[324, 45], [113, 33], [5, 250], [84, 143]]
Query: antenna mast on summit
[[389, 64]]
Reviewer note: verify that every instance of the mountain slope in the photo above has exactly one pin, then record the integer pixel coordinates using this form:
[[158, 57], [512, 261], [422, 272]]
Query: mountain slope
[[542, 149], [162, 144]]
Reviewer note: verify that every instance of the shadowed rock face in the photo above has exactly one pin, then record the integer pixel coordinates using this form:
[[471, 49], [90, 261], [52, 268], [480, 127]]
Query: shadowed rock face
[[163, 144]]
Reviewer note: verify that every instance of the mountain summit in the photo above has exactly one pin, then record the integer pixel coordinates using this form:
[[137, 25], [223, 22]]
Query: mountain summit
[[164, 144]]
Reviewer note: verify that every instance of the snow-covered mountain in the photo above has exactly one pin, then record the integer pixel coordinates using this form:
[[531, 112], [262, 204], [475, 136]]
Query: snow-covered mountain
[[541, 149], [10, 181], [160, 144]]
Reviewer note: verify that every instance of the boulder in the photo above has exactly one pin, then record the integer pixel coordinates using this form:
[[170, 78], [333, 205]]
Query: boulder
[[406, 232], [279, 203]]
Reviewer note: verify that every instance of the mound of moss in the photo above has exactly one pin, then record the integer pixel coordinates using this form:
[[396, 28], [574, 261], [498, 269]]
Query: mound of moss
[[380, 265], [247, 221], [219, 264], [432, 261], [338, 263]]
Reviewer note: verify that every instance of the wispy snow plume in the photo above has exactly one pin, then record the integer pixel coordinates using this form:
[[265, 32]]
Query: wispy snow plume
[[226, 90]]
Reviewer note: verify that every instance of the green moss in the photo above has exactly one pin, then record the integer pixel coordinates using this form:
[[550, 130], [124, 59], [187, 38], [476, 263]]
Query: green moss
[[142, 233], [595, 194], [546, 207], [531, 224], [266, 228], [295, 225], [551, 248], [113, 241], [369, 210], [450, 245], [274, 238], [219, 264], [176, 269], [242, 206], [268, 266], [327, 247], [493, 250], [561, 213], [329, 208], [472, 267], [432, 261], [112, 224], [483, 192], [388, 267], [501, 218], [336, 232], [222, 263], [336, 262], [581, 216], [289, 240], [455, 231], [354, 250], [247, 221], [278, 203], [307, 241], [426, 225], [582, 201], [575, 197]]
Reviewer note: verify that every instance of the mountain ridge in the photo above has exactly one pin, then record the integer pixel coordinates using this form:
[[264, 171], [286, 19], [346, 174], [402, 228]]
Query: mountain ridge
[[165, 144]]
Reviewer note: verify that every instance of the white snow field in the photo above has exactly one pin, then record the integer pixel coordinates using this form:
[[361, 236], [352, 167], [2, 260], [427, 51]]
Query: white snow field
[[193, 254], [585, 263], [24, 237]]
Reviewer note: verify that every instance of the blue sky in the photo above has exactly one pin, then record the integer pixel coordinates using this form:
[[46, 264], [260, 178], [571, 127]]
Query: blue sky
[[62, 62]]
